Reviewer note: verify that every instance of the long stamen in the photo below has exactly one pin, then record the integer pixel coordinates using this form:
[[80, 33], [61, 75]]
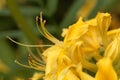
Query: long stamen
[[44, 31], [31, 60], [26, 44], [36, 58], [38, 26], [38, 51], [43, 27], [34, 64], [16, 61]]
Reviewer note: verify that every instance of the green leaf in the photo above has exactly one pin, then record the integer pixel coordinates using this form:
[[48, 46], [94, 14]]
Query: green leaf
[[6, 52], [22, 22], [51, 7], [96, 9], [71, 14], [26, 10]]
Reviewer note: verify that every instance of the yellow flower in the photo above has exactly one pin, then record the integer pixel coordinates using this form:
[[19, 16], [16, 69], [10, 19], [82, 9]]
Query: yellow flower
[[80, 51], [80, 39]]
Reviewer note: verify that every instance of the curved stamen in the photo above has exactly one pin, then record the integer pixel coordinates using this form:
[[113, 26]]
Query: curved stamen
[[26, 66], [37, 67], [36, 58], [35, 64], [44, 31], [26, 44]]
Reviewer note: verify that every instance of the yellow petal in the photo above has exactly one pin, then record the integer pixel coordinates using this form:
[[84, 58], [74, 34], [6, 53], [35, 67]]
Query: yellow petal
[[68, 74], [51, 55], [103, 22], [91, 39], [63, 62], [105, 70], [83, 75], [77, 55], [65, 31], [76, 52], [112, 50], [111, 34], [76, 30], [37, 76]]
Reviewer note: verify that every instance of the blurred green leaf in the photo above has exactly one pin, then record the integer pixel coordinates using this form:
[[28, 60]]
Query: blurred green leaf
[[23, 15], [12, 33], [108, 5], [21, 21], [26, 10], [101, 6], [96, 9], [71, 14], [6, 52], [51, 7]]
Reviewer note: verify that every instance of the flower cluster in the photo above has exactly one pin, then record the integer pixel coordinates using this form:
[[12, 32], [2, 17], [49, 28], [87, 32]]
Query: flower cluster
[[88, 48], [89, 51]]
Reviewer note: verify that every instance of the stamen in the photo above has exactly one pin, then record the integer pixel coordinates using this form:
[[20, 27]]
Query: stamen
[[36, 58], [45, 33], [34, 64], [31, 60], [26, 44], [31, 66], [38, 26], [22, 64], [38, 51]]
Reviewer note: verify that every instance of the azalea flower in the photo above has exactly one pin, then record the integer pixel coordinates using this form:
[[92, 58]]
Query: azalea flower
[[88, 52], [82, 41]]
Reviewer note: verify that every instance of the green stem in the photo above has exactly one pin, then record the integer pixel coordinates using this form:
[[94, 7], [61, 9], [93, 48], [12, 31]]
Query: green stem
[[21, 21]]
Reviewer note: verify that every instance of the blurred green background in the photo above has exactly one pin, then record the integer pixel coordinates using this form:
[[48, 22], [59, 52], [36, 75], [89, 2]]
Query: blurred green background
[[17, 20]]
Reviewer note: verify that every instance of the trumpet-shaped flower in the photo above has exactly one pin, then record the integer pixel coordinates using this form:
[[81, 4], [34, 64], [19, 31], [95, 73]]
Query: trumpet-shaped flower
[[81, 39], [75, 57]]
